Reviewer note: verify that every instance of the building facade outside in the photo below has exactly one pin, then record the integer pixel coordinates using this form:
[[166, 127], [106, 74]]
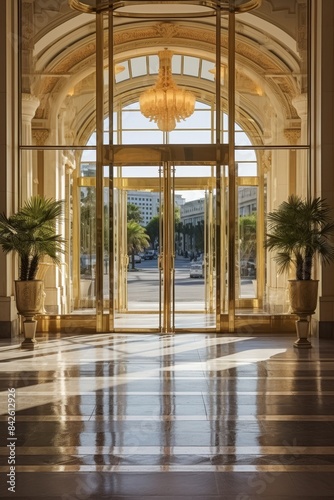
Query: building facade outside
[[149, 204]]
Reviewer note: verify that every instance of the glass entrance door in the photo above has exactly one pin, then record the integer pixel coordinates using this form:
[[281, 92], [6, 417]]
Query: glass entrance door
[[166, 243], [138, 200], [164, 272], [194, 270]]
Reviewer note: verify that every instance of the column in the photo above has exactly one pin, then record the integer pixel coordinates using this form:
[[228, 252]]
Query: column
[[324, 132], [8, 156], [29, 107]]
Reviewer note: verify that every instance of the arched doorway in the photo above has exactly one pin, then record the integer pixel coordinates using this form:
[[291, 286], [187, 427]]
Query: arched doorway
[[257, 93]]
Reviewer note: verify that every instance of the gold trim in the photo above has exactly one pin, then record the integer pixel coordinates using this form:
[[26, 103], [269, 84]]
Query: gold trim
[[111, 187], [245, 324], [99, 169], [149, 183], [167, 248], [180, 154], [210, 4], [231, 175], [106, 5], [110, 5], [249, 5]]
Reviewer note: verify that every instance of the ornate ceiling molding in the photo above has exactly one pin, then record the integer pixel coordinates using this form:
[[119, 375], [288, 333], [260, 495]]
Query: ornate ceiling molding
[[187, 37], [293, 135], [40, 136]]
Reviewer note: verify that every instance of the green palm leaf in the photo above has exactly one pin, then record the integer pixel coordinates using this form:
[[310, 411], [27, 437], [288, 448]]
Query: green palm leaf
[[32, 233], [298, 230]]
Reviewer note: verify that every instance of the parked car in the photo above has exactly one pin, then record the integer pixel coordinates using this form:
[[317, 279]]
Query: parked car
[[149, 255], [137, 259], [196, 270], [247, 269]]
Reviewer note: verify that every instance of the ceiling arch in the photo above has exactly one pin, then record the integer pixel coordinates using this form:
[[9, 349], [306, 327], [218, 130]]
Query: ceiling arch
[[65, 64]]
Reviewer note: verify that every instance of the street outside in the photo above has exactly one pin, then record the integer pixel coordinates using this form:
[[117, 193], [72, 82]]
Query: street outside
[[143, 284]]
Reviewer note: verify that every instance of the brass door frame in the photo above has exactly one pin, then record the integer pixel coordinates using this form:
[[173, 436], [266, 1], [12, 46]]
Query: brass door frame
[[167, 221], [122, 184], [206, 183], [167, 157], [181, 155]]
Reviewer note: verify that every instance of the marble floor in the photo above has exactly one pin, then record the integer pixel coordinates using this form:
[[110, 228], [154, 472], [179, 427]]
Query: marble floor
[[162, 417]]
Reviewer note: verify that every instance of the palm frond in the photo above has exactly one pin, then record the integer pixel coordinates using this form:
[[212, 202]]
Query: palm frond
[[31, 232], [300, 229]]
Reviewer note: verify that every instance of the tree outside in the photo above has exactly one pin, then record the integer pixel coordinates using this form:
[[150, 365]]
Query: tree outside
[[247, 245], [137, 240], [134, 213]]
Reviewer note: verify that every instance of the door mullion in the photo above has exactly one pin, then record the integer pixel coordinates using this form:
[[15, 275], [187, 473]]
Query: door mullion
[[161, 248], [167, 241], [172, 243]]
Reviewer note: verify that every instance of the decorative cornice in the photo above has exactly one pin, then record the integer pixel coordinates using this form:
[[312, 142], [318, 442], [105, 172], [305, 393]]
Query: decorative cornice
[[293, 135], [29, 98], [167, 30], [27, 29], [68, 160], [160, 34], [30, 104], [40, 136], [245, 84], [265, 161]]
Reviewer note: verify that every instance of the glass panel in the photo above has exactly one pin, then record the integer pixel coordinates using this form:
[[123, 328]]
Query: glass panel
[[197, 129], [58, 110], [247, 239], [136, 226], [153, 65], [224, 247], [141, 137], [185, 68], [194, 226], [191, 66], [271, 77], [87, 197], [206, 70], [54, 174], [176, 64], [286, 174], [124, 74], [193, 137], [138, 66], [56, 96]]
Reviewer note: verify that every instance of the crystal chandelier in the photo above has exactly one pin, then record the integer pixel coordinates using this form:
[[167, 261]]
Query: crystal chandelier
[[165, 103]]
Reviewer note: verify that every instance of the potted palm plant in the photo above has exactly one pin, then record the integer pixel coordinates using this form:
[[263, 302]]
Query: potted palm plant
[[300, 230], [32, 233]]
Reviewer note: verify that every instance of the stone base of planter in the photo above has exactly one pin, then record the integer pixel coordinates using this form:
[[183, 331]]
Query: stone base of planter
[[29, 330]]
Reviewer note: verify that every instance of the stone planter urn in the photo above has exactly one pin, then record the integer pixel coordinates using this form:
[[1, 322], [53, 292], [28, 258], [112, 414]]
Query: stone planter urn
[[29, 301], [303, 296]]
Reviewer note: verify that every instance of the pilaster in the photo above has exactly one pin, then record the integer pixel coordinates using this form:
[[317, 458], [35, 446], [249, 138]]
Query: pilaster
[[8, 155], [324, 132]]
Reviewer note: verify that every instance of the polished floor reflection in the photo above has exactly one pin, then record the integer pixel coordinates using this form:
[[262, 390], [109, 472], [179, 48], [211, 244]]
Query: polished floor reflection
[[151, 417]]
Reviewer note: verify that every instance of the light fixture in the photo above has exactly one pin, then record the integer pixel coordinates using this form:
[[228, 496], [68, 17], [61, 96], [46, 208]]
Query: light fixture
[[119, 69], [223, 73], [165, 103]]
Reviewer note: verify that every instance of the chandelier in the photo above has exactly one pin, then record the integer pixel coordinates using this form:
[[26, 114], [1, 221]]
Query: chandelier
[[165, 103]]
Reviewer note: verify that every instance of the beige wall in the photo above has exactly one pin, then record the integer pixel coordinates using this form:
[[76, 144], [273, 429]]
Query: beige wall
[[324, 133], [8, 154], [322, 182]]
